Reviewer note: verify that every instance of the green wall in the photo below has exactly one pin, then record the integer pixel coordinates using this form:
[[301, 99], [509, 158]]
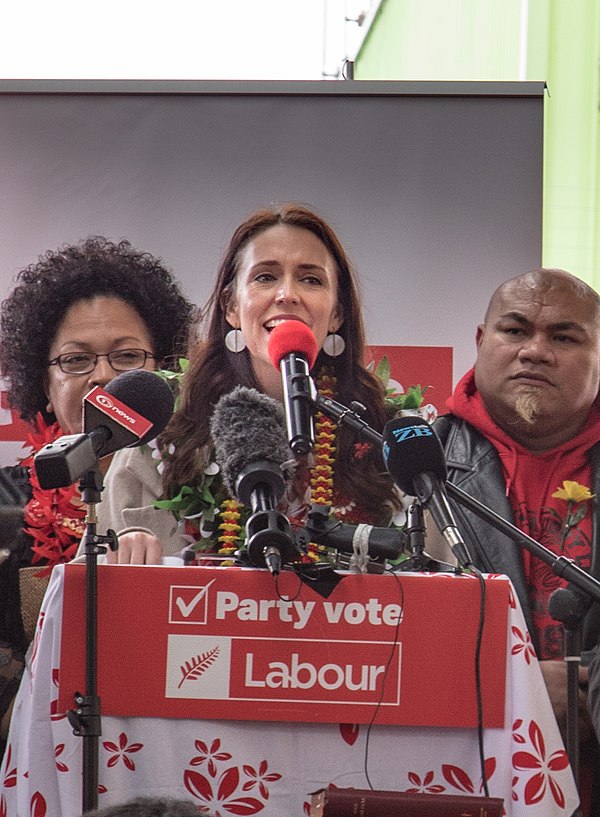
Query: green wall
[[557, 41]]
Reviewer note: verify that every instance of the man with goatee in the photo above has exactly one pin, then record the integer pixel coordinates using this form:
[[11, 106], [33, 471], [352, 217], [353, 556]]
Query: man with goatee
[[523, 437]]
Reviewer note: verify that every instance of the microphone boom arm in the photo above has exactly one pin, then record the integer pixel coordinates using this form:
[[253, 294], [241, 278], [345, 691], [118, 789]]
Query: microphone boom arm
[[560, 565], [346, 416]]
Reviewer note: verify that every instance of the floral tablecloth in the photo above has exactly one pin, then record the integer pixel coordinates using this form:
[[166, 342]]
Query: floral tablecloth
[[269, 768]]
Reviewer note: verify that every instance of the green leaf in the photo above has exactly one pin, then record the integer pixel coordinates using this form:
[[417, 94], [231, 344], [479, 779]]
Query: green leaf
[[207, 496], [413, 398], [383, 370], [577, 515]]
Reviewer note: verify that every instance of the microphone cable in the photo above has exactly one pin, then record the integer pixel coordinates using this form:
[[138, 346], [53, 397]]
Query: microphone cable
[[478, 691], [384, 676]]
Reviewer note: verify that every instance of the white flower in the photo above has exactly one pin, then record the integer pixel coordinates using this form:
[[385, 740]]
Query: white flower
[[400, 517], [157, 454], [345, 509], [429, 412]]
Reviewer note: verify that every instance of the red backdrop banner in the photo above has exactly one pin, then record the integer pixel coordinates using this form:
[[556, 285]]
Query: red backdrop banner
[[429, 366]]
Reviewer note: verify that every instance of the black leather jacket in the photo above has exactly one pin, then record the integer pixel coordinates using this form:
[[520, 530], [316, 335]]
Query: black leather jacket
[[15, 492], [474, 466]]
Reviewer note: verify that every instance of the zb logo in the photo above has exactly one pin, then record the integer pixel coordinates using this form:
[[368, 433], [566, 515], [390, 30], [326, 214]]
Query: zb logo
[[409, 432]]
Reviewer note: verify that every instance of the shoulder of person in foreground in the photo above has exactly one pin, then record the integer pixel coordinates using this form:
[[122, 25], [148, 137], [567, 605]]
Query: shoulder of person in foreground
[[148, 807]]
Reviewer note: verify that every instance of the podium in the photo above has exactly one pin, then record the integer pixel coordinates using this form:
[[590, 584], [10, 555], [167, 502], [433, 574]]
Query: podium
[[231, 725]]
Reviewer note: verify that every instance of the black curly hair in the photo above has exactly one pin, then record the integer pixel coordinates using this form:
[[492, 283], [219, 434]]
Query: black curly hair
[[31, 314]]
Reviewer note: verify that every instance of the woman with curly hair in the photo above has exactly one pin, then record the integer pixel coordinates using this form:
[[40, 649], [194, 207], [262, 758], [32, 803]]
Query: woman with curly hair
[[74, 320], [83, 283], [281, 264]]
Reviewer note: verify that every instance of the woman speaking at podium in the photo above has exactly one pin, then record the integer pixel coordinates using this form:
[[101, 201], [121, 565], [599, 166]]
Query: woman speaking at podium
[[281, 264]]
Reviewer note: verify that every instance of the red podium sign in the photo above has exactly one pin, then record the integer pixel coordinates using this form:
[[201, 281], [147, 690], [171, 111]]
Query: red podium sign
[[202, 642]]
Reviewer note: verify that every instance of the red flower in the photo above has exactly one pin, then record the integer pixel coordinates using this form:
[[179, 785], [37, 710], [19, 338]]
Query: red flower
[[10, 775], [543, 779], [425, 786], [259, 778], [211, 755], [53, 517], [222, 794], [122, 752], [522, 644], [361, 449], [60, 766]]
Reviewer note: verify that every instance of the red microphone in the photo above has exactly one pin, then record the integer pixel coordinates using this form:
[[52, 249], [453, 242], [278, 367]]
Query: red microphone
[[293, 350]]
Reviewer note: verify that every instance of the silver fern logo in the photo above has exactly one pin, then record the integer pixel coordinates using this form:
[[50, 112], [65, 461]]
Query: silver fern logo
[[198, 666], [193, 669]]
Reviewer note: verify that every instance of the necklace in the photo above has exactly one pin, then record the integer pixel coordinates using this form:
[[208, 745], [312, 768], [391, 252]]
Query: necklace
[[321, 480], [230, 517]]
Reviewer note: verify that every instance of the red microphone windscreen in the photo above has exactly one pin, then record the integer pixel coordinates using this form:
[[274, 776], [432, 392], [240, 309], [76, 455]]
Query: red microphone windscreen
[[292, 336]]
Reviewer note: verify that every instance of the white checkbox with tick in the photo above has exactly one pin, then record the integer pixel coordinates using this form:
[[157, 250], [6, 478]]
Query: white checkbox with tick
[[188, 604]]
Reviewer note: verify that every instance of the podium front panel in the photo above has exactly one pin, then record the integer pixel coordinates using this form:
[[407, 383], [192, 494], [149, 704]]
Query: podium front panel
[[267, 767], [224, 644]]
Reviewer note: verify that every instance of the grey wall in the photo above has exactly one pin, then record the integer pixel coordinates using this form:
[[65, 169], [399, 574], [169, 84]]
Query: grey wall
[[434, 188]]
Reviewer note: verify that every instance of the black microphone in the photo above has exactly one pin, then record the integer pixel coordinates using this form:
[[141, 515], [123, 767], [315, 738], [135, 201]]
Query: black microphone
[[381, 543], [568, 605], [414, 456], [133, 409], [250, 449], [293, 350]]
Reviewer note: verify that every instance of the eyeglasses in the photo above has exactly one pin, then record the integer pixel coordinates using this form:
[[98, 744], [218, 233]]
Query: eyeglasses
[[121, 360]]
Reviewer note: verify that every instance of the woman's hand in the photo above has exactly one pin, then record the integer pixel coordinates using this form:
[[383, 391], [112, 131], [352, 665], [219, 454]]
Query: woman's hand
[[136, 548]]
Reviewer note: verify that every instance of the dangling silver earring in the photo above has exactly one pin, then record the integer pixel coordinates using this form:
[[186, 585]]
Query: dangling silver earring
[[235, 341], [334, 345]]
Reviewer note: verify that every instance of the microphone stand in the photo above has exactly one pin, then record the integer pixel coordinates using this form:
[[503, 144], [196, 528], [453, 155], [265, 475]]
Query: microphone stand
[[582, 591], [85, 718], [569, 606], [583, 584], [415, 530], [560, 565]]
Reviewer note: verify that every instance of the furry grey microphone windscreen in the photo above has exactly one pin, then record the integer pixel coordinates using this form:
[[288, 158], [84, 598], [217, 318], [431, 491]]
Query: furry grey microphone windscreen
[[247, 427]]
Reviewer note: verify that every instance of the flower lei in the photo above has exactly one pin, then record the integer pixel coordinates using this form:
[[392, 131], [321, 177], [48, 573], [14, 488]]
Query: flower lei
[[52, 516], [321, 479], [231, 530]]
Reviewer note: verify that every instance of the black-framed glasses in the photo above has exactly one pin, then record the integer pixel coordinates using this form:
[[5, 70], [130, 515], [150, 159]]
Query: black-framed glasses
[[121, 360]]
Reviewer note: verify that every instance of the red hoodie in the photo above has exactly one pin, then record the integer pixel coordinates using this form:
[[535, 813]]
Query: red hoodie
[[531, 479]]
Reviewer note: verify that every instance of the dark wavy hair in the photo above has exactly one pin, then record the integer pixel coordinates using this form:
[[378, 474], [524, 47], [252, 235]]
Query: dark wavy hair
[[214, 370], [44, 291]]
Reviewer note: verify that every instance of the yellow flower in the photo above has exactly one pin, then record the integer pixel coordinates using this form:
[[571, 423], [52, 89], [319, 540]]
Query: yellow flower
[[573, 492]]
